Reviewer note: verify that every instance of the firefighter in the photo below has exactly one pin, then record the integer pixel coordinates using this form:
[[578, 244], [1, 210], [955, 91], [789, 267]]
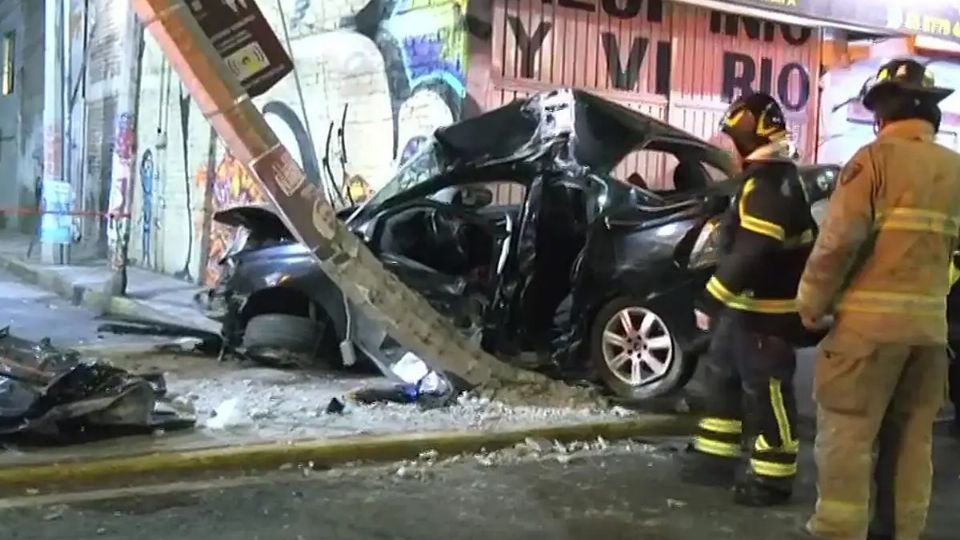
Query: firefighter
[[881, 266], [750, 309]]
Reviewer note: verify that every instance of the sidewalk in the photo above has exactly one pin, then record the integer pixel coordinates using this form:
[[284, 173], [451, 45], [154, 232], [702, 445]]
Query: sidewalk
[[149, 294]]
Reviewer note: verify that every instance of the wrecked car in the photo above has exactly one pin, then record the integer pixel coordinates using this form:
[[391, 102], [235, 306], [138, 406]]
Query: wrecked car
[[515, 225]]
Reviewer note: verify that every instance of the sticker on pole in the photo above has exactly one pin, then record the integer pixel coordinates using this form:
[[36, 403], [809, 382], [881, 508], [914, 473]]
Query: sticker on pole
[[246, 42], [248, 61], [279, 167]]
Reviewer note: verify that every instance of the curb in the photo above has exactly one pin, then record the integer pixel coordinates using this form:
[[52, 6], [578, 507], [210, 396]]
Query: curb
[[129, 307], [324, 453], [54, 281], [78, 294]]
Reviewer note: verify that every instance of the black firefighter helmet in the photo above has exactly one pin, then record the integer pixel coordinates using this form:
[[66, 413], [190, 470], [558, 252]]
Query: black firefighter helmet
[[903, 77], [754, 121]]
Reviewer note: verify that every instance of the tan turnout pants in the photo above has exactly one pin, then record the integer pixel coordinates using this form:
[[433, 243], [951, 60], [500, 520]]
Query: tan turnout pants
[[870, 393]]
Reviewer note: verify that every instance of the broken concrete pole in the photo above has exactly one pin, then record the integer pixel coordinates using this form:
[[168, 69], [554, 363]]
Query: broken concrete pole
[[407, 317]]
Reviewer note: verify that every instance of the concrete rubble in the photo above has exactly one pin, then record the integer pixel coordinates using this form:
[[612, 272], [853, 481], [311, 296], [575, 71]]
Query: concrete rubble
[[294, 404], [430, 463]]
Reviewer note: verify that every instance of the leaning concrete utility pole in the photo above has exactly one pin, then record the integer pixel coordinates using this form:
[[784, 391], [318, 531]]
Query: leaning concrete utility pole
[[349, 263]]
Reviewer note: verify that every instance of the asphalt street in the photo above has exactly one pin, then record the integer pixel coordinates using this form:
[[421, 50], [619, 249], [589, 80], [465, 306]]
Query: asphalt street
[[629, 496], [34, 313]]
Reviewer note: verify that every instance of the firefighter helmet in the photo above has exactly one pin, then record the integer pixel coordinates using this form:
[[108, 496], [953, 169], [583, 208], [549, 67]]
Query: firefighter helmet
[[903, 77], [754, 121]]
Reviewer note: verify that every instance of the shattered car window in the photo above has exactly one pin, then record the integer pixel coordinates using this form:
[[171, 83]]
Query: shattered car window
[[425, 165], [648, 169]]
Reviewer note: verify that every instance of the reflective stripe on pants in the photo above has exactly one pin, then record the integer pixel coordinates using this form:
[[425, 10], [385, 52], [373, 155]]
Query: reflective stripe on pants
[[719, 437], [743, 364]]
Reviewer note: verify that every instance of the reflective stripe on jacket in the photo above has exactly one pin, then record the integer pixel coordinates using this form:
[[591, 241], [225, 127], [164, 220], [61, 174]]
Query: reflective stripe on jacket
[[767, 238], [883, 256]]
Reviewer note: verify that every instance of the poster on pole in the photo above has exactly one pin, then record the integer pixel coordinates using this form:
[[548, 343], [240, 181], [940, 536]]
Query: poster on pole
[[246, 42], [56, 223]]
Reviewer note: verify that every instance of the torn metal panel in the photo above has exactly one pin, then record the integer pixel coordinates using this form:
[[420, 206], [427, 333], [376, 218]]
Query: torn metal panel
[[51, 395]]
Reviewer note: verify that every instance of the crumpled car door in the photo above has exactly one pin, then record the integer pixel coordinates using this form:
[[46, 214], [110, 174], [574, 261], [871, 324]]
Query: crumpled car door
[[516, 253]]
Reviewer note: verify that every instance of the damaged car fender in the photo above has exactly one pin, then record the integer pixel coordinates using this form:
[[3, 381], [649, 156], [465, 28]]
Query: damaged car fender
[[269, 273]]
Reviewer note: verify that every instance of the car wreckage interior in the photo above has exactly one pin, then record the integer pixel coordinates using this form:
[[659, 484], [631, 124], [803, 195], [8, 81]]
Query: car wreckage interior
[[456, 240]]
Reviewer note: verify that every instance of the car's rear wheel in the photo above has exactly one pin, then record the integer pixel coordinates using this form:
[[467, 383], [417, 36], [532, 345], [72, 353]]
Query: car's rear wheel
[[634, 352], [283, 331]]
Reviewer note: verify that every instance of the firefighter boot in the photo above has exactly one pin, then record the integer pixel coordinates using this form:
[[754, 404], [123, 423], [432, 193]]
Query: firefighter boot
[[703, 469], [753, 491]]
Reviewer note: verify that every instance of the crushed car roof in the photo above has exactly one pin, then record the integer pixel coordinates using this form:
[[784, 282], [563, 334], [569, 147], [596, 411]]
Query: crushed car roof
[[599, 132]]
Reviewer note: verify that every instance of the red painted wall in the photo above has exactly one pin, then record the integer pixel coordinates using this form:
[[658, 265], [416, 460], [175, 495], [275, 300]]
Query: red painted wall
[[672, 61]]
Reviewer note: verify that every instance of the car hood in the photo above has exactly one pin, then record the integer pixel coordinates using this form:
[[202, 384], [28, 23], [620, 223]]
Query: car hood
[[249, 215], [262, 218]]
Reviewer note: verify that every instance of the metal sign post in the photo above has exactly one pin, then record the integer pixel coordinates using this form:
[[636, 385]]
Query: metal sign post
[[212, 42]]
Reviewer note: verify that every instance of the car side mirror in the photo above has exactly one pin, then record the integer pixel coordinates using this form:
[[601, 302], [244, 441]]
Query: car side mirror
[[474, 197]]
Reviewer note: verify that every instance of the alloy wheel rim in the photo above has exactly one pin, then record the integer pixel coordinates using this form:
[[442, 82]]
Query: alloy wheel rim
[[637, 346]]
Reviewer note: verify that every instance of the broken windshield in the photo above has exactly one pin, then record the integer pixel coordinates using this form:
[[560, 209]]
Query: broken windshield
[[423, 166]]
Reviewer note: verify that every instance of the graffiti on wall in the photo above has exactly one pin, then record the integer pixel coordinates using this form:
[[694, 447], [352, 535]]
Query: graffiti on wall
[[231, 185], [148, 173], [124, 145], [185, 106], [424, 49], [369, 89]]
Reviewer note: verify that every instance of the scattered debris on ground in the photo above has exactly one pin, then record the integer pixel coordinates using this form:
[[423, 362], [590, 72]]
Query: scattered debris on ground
[[275, 403], [51, 395], [272, 404], [421, 384], [430, 463]]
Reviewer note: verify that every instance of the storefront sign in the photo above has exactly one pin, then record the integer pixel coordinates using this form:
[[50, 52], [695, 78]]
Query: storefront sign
[[939, 19], [628, 58], [245, 41]]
